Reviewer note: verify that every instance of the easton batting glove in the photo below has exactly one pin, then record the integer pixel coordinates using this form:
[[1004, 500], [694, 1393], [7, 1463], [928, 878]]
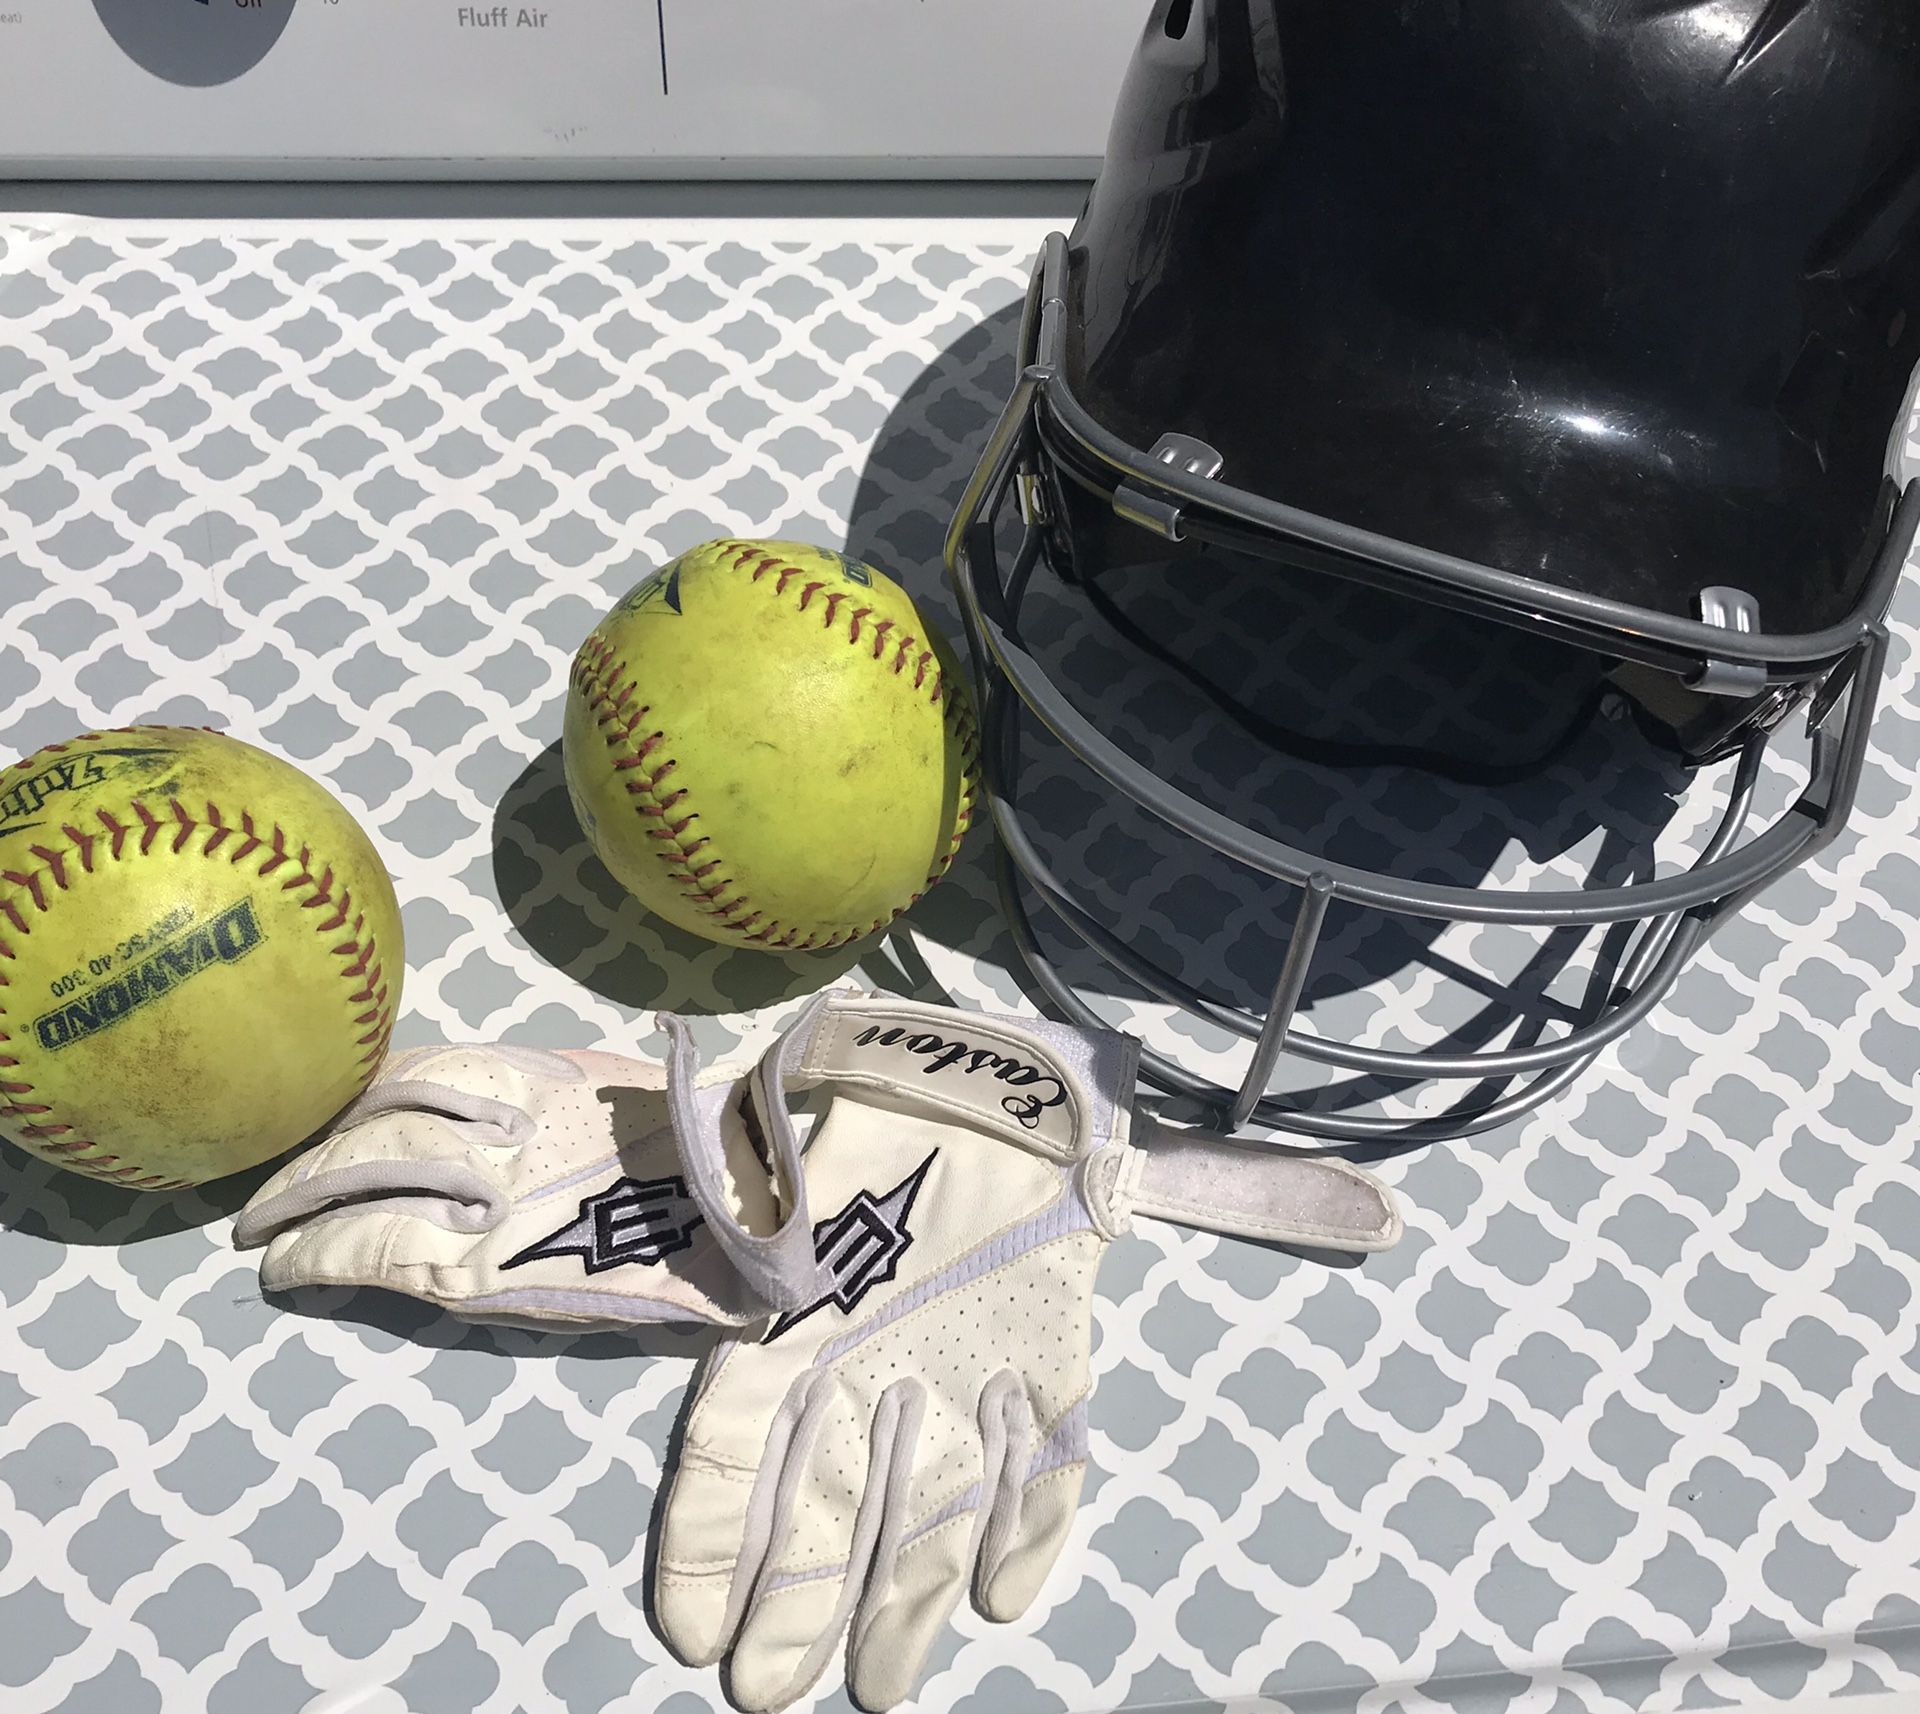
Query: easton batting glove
[[512, 1184], [919, 1425]]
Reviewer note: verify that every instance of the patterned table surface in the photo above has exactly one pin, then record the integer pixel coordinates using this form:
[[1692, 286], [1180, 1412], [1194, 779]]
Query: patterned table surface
[[1630, 1420]]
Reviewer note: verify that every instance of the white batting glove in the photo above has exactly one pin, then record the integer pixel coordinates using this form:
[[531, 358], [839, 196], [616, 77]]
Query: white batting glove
[[511, 1184], [919, 1426]]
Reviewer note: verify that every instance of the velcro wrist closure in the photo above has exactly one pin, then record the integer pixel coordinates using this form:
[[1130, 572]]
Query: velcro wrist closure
[[1254, 1190]]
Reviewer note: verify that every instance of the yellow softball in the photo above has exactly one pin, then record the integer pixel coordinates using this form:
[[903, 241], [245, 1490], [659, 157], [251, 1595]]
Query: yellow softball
[[768, 745], [200, 956]]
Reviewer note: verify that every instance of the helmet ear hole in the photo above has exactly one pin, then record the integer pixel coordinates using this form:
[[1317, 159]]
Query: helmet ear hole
[[1179, 17]]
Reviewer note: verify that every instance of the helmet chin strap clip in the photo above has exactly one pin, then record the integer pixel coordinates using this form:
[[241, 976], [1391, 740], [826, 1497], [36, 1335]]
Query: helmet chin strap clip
[[1030, 494], [1737, 611], [1182, 452]]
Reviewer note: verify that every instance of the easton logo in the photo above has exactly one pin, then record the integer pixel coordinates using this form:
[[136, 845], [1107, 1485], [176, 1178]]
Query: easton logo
[[633, 1220], [21, 803], [861, 1246], [942, 1053], [226, 939]]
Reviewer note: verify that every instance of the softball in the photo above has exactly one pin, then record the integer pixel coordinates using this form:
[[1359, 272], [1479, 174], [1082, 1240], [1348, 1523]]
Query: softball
[[769, 746], [200, 956]]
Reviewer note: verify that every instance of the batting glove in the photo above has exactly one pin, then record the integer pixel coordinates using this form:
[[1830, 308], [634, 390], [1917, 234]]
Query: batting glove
[[511, 1184], [919, 1425]]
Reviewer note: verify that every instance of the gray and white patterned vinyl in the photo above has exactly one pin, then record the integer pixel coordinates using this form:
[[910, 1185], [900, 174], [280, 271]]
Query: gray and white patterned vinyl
[[1631, 1420]]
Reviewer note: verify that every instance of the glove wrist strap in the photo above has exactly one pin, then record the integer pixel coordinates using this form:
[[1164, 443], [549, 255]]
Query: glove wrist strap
[[778, 1267], [1254, 1190], [1065, 1094], [1042, 1087]]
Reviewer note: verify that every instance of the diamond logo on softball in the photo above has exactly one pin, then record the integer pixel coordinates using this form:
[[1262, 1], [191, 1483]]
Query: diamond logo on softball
[[861, 1246], [633, 1220]]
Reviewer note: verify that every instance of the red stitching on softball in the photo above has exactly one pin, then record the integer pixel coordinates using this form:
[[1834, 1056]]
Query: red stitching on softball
[[32, 885], [360, 949], [601, 679], [249, 840]]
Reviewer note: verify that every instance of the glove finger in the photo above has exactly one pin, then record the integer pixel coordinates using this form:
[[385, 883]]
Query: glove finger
[[718, 1523], [824, 1551], [919, 1580], [926, 1576], [1047, 1509], [372, 1164], [1023, 1537], [438, 1126]]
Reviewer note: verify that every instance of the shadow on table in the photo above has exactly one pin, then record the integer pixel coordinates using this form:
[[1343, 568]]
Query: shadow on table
[[41, 1201], [577, 917], [1319, 689]]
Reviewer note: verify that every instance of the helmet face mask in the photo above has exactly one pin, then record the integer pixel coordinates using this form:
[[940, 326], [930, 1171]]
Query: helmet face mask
[[1437, 534], [1589, 813]]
